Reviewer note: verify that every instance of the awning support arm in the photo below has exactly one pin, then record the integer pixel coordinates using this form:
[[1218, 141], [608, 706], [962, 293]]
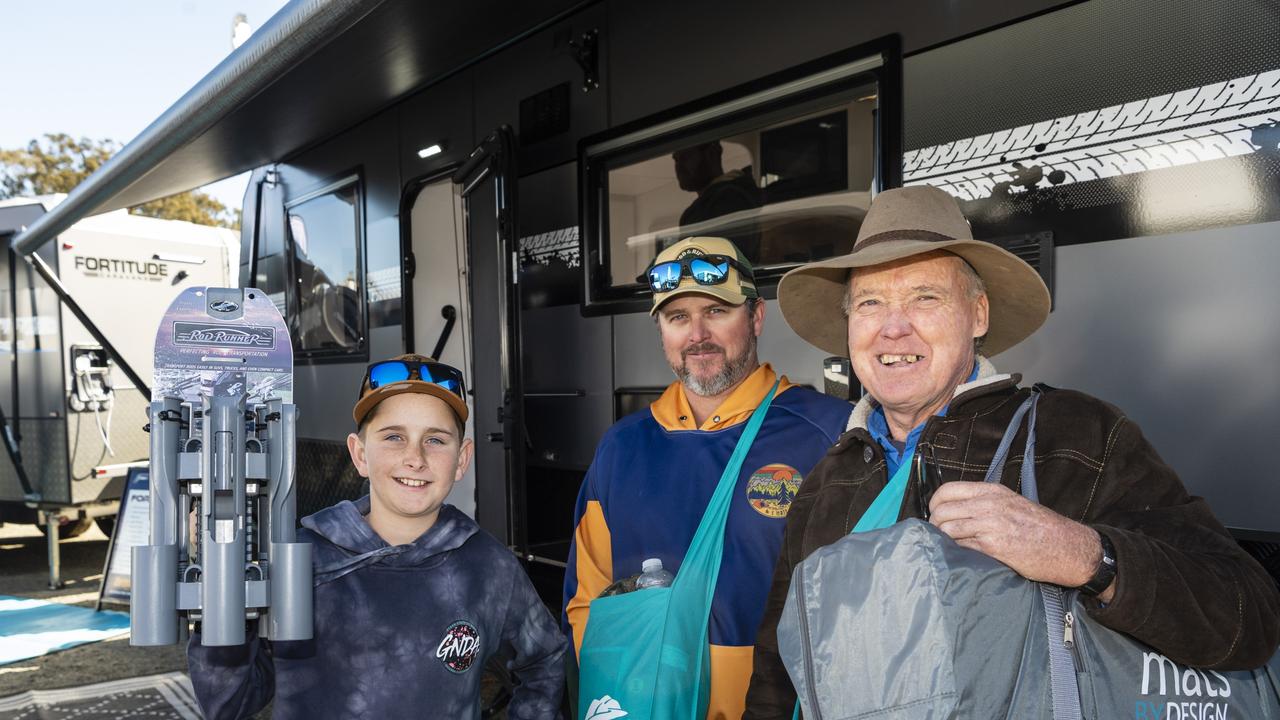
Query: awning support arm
[[58, 288]]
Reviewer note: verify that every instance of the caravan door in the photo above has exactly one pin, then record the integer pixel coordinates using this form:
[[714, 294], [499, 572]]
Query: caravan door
[[438, 298], [487, 182]]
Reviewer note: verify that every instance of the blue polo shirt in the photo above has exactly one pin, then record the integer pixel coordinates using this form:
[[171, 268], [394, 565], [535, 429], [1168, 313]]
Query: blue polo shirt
[[896, 453]]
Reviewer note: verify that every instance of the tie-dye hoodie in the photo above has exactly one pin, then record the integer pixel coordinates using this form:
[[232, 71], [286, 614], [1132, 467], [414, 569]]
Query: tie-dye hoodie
[[400, 631]]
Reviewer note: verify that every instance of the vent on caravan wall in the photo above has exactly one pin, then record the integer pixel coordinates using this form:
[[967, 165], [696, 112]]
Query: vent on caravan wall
[[1036, 249], [544, 115]]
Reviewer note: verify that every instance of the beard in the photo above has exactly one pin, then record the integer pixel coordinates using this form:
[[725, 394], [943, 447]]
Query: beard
[[732, 370]]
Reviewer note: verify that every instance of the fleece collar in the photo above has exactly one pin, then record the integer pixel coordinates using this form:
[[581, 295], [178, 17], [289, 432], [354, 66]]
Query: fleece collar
[[987, 374]]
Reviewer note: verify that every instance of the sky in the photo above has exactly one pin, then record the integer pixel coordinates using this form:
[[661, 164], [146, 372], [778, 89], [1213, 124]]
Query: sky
[[108, 69]]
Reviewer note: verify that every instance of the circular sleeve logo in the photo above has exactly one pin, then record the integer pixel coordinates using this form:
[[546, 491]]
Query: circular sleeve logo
[[771, 489], [459, 647]]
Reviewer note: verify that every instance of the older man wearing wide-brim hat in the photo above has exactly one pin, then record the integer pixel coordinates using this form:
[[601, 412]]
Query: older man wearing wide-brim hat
[[914, 306]]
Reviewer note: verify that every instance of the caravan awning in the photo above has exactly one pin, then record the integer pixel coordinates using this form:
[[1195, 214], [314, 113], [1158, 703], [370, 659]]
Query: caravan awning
[[315, 69]]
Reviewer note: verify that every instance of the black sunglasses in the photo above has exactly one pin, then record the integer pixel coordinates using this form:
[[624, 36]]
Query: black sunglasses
[[394, 371], [704, 269]]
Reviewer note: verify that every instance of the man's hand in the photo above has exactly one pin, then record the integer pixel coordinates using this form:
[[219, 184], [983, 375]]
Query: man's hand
[[1036, 542]]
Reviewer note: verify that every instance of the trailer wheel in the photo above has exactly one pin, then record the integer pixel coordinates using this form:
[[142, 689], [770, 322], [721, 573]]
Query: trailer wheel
[[71, 529]]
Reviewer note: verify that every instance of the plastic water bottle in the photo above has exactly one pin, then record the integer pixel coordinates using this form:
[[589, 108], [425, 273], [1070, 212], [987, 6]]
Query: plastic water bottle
[[653, 576]]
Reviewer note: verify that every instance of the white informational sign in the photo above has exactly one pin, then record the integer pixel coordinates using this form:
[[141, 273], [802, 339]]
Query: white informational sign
[[133, 527]]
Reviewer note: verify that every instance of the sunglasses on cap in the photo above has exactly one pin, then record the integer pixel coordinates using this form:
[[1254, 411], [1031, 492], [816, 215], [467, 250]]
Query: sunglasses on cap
[[704, 269], [394, 371]]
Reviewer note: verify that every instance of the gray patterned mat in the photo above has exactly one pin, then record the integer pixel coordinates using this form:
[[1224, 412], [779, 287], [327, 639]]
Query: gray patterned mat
[[167, 695]]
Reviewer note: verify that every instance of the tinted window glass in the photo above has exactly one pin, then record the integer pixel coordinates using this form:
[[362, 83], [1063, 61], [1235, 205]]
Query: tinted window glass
[[785, 190], [325, 236], [383, 282], [273, 279]]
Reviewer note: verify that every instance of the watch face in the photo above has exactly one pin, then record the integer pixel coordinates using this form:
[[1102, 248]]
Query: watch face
[[1108, 551]]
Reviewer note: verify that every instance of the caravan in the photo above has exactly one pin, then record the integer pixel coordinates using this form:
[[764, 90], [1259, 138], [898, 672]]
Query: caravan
[[73, 416], [485, 182]]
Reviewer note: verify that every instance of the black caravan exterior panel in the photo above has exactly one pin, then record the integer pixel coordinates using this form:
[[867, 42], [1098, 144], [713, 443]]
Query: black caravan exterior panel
[[369, 151], [536, 65], [1105, 120], [668, 52], [550, 263], [440, 115]]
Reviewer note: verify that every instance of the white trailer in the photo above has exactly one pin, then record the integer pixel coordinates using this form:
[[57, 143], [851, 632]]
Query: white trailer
[[73, 418]]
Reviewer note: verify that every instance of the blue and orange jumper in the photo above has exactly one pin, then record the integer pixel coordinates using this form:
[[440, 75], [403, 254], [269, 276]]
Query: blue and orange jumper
[[648, 486]]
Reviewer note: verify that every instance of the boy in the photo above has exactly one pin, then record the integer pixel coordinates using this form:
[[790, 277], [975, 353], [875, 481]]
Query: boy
[[411, 596]]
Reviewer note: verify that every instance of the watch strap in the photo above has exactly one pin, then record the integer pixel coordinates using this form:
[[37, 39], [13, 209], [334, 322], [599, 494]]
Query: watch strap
[[1105, 572]]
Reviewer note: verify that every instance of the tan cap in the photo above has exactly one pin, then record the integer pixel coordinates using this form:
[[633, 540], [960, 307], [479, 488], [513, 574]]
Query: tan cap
[[370, 398], [901, 223], [734, 290]]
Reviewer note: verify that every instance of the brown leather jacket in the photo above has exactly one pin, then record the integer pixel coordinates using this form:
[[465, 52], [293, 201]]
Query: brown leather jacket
[[1184, 587]]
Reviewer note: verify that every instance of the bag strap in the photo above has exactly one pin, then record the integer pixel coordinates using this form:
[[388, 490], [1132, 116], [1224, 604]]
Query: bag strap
[[1062, 669], [709, 537], [693, 590], [1002, 450]]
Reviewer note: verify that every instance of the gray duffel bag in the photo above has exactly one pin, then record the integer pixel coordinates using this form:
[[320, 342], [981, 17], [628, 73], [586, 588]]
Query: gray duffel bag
[[904, 623]]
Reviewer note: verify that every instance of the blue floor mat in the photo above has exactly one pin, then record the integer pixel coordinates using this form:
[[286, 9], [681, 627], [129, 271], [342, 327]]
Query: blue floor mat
[[30, 628]]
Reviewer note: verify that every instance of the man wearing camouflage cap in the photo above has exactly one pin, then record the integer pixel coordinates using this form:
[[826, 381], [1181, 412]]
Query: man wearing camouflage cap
[[655, 470]]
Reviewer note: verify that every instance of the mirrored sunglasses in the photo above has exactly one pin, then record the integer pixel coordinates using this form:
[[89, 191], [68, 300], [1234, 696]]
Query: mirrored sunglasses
[[704, 269], [394, 371]]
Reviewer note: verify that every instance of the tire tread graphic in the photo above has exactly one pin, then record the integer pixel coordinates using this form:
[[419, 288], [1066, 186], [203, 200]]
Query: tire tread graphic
[[1221, 120]]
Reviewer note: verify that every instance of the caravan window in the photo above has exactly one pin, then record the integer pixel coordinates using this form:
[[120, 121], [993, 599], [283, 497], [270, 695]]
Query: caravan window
[[784, 167], [325, 235]]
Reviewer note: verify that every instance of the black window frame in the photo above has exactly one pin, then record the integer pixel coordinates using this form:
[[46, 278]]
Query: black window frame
[[293, 298], [798, 89]]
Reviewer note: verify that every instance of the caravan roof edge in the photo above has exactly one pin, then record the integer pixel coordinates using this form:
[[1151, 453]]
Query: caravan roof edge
[[289, 37]]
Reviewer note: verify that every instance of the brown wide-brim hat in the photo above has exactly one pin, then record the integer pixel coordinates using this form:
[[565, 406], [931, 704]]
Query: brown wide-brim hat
[[370, 398], [901, 223]]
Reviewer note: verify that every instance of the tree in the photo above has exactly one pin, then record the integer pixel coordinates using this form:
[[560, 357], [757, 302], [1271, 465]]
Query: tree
[[193, 206], [55, 165], [58, 162]]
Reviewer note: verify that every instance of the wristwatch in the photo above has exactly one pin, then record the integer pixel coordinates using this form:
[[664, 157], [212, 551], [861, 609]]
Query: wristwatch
[[1106, 572]]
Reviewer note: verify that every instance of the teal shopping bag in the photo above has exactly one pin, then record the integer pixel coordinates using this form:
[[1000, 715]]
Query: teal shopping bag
[[645, 654]]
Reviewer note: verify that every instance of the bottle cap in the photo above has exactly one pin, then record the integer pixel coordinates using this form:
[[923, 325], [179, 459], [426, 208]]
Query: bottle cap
[[651, 564]]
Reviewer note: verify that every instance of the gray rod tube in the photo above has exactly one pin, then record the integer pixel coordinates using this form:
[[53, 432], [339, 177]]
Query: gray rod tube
[[153, 597], [153, 594], [284, 508], [291, 592], [222, 506], [164, 471], [222, 594]]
